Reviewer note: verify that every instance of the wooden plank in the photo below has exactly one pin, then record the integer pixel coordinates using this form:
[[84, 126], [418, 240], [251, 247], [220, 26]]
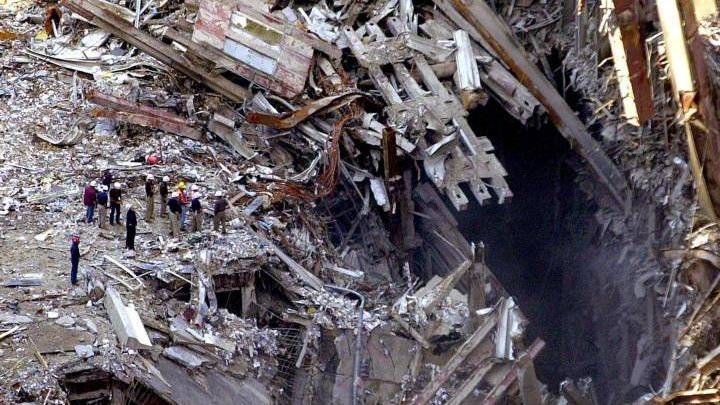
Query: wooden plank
[[501, 39]]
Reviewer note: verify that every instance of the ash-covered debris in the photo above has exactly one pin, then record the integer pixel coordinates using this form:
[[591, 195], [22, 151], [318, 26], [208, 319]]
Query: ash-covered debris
[[321, 149]]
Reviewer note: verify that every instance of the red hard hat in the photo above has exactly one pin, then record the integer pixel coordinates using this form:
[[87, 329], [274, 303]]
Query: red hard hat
[[152, 160]]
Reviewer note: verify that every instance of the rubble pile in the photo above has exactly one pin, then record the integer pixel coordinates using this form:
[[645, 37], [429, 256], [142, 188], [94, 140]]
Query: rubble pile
[[339, 134], [90, 86]]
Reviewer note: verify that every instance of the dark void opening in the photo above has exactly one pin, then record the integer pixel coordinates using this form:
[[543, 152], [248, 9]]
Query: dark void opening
[[531, 241], [85, 384]]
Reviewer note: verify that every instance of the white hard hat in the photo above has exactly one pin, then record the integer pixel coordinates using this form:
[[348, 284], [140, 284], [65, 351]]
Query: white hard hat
[[194, 187], [175, 194], [103, 187], [93, 183], [128, 206], [150, 177], [117, 185], [218, 193], [166, 179], [197, 195]]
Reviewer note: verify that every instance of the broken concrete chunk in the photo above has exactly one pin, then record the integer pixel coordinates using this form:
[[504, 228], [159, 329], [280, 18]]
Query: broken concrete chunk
[[12, 318], [126, 322], [84, 351], [65, 321], [185, 356], [23, 282]]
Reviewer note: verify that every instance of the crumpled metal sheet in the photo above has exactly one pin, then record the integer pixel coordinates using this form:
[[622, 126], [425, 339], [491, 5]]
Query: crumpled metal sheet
[[292, 119]]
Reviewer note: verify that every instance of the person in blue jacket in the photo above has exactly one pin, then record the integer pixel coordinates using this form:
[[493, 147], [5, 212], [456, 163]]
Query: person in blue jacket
[[102, 203]]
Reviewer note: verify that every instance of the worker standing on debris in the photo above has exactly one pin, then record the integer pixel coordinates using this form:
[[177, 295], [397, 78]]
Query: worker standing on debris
[[89, 200], [102, 201], [115, 201], [107, 178], [149, 198], [197, 214], [184, 205], [175, 209], [220, 212], [164, 195], [74, 258], [130, 227]]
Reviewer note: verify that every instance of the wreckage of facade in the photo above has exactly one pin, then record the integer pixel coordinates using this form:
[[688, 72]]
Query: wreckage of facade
[[446, 202]]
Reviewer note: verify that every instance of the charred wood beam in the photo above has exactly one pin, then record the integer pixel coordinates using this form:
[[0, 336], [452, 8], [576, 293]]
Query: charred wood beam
[[501, 39]]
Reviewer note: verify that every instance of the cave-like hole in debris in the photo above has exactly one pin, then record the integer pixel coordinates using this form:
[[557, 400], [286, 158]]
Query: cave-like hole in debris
[[532, 242], [88, 385]]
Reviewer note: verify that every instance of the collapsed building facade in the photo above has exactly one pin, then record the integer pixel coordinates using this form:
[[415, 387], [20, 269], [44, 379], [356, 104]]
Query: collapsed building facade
[[388, 165]]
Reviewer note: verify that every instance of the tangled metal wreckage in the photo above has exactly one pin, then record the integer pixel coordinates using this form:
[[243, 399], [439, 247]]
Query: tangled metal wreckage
[[340, 133]]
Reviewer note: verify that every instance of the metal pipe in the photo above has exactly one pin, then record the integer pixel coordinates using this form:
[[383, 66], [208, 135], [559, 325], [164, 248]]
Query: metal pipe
[[358, 340]]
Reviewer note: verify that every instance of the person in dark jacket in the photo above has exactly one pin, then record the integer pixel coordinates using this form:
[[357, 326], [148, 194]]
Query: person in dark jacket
[[115, 201], [220, 209], [175, 209], [90, 200], [196, 212], [130, 227], [149, 198], [74, 259], [164, 195], [107, 178], [102, 201]]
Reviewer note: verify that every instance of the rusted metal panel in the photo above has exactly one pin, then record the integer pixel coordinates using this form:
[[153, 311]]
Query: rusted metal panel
[[293, 118], [97, 13], [138, 114], [150, 122], [120, 104], [257, 43], [628, 21], [212, 23]]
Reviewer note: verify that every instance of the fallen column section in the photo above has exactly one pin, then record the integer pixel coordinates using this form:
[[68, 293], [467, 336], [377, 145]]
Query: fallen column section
[[126, 322]]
